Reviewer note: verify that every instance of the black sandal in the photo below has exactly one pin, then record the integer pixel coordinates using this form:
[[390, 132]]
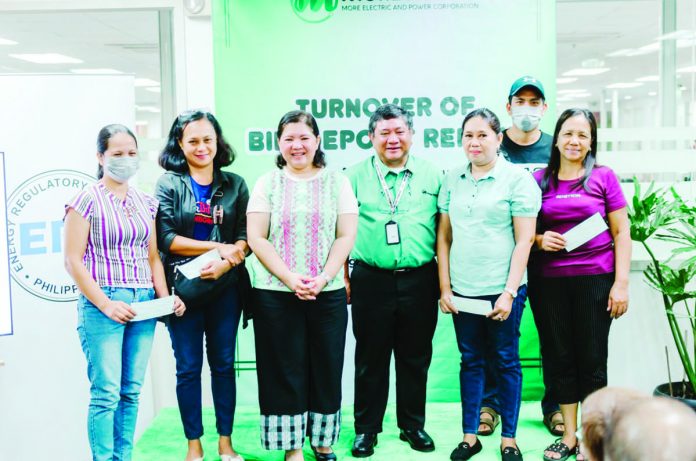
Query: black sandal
[[562, 449]]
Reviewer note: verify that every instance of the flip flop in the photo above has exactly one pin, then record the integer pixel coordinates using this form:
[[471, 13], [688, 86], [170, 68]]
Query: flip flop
[[563, 450], [490, 424], [552, 425]]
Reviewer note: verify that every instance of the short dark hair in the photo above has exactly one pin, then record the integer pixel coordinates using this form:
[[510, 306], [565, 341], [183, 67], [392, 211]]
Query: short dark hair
[[103, 138], [172, 157], [487, 115], [300, 116], [388, 112], [555, 160]]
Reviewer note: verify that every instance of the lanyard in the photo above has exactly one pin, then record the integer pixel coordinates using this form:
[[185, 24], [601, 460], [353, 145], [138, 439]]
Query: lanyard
[[393, 202]]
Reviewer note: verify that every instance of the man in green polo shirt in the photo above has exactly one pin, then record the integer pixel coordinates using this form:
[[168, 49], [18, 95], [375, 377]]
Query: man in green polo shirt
[[393, 285]]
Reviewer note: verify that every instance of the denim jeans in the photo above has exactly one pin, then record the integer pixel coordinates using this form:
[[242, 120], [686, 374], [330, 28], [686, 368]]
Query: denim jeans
[[218, 322], [474, 334], [117, 357], [490, 390]]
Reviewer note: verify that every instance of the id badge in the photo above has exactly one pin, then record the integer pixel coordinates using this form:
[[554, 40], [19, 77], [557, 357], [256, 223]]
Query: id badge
[[392, 230]]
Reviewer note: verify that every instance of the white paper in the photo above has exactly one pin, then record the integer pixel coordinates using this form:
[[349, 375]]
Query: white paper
[[150, 309], [192, 269], [585, 231], [472, 306]]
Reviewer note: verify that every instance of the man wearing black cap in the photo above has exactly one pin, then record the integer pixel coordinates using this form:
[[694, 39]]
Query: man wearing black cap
[[525, 144]]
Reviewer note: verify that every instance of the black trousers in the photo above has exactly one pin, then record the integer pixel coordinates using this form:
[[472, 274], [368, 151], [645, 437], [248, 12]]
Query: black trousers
[[299, 351], [392, 311], [573, 323]]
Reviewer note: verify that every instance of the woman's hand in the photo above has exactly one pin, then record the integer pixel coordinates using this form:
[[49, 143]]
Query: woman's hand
[[552, 241], [618, 299], [446, 305], [317, 283], [502, 307], [298, 284], [179, 307], [118, 311], [215, 269], [232, 253]]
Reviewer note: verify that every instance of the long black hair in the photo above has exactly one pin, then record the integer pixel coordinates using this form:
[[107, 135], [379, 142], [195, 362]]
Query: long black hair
[[300, 116], [172, 157], [588, 163], [103, 138]]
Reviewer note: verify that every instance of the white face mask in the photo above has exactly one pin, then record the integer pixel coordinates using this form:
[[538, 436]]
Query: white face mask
[[121, 169], [526, 118]]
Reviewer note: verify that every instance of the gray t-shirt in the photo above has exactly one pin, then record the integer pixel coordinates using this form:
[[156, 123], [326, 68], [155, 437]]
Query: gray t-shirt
[[532, 157]]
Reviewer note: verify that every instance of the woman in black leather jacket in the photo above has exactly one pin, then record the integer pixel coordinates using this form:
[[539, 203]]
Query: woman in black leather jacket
[[192, 193]]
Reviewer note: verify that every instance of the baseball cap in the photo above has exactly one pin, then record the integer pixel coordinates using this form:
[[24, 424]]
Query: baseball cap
[[524, 82]]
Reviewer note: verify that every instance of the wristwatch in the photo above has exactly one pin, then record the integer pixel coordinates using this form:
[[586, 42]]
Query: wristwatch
[[510, 291]]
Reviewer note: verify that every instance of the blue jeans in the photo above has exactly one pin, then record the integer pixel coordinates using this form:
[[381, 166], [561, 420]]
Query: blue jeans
[[218, 322], [117, 358], [490, 389], [474, 333]]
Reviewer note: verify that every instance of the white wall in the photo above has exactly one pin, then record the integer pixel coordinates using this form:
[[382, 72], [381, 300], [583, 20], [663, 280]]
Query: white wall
[[43, 386]]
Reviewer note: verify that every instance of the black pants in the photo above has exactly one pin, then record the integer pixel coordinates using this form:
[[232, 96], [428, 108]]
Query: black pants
[[392, 311], [299, 351], [573, 323]]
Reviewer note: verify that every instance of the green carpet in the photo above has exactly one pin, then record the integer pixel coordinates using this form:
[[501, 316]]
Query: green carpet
[[164, 439]]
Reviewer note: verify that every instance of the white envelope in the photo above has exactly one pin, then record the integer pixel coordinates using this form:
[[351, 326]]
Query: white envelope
[[192, 269], [150, 309], [472, 306], [585, 231]]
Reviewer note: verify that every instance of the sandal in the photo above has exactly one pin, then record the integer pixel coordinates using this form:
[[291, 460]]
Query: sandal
[[552, 423], [562, 449], [490, 424]]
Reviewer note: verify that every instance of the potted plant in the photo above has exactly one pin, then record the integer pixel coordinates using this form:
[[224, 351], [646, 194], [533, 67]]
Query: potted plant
[[662, 214]]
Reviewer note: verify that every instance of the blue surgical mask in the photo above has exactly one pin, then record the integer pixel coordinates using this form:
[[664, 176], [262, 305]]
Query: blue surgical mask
[[121, 169], [526, 118]]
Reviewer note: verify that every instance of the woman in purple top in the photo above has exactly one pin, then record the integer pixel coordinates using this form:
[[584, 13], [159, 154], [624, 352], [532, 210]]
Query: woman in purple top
[[577, 293], [111, 253]]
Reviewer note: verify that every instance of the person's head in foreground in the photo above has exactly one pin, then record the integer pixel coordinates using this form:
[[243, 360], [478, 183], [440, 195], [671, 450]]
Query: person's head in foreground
[[599, 411], [657, 429]]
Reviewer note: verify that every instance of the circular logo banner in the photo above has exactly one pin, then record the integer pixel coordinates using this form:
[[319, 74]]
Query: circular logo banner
[[314, 10], [35, 211]]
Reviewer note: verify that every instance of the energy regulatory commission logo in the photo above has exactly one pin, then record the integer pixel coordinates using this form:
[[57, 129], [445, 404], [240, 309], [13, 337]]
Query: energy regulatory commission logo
[[35, 233], [314, 11]]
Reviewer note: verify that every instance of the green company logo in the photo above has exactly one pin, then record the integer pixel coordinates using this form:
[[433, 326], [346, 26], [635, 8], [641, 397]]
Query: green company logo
[[314, 11]]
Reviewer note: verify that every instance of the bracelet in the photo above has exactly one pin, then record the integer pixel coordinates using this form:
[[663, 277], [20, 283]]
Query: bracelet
[[325, 277], [511, 292]]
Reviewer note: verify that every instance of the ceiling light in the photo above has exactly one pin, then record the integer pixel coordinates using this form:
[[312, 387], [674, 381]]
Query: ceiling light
[[47, 58], [580, 72], [95, 71], [628, 96], [5, 41], [572, 90], [649, 78], [687, 70], [607, 100], [151, 109], [678, 34], [566, 79], [647, 49], [621, 52], [154, 89], [141, 82], [625, 85], [652, 93]]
